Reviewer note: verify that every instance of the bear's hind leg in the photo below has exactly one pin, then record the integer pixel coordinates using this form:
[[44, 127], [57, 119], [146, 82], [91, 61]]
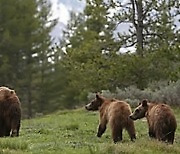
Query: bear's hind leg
[[2, 128], [7, 127], [18, 127], [7, 131], [131, 131], [170, 137], [151, 134], [117, 134], [15, 126], [160, 136]]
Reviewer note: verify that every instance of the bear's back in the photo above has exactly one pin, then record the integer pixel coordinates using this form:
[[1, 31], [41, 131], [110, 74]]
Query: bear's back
[[119, 109], [162, 114]]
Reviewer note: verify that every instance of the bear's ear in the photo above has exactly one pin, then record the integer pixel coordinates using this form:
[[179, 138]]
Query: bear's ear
[[12, 91], [144, 102], [98, 96]]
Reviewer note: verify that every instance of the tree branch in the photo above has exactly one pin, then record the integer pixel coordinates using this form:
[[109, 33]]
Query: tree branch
[[126, 40], [147, 10], [133, 13], [154, 34], [130, 45]]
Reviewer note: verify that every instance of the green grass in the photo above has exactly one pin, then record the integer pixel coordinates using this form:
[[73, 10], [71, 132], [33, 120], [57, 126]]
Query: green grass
[[74, 132]]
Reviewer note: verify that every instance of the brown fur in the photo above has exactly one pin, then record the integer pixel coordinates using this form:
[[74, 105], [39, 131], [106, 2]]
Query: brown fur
[[161, 120], [116, 113], [10, 112]]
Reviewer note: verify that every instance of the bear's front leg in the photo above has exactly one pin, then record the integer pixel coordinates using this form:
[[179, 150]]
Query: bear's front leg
[[101, 130]]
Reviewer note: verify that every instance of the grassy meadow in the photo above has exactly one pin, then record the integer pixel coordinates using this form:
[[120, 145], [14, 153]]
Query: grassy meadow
[[74, 132]]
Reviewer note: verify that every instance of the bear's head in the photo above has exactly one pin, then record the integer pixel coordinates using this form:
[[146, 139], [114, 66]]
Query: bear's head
[[7, 94], [95, 104], [140, 111]]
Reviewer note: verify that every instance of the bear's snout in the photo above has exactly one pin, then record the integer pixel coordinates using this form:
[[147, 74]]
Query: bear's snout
[[87, 107], [131, 117]]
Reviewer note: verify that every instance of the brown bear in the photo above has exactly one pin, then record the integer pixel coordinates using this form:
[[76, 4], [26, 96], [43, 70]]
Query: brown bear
[[161, 120], [115, 112], [10, 112]]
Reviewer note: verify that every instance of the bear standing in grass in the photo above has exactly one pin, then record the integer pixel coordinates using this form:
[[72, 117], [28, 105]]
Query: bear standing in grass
[[10, 112], [161, 120], [116, 113]]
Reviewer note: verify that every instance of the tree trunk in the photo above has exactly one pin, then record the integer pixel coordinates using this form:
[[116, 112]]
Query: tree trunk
[[139, 27], [29, 84], [29, 102]]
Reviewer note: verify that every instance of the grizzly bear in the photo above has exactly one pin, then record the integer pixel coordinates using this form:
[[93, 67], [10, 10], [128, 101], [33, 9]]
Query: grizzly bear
[[10, 113], [161, 120], [115, 112]]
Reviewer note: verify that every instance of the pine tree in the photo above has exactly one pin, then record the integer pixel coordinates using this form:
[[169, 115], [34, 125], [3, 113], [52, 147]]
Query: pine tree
[[24, 44], [89, 50]]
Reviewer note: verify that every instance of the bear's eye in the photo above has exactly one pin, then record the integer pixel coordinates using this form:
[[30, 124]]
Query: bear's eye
[[137, 111], [92, 102]]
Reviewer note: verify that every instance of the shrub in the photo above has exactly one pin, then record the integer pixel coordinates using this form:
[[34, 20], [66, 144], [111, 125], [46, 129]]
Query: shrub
[[162, 91]]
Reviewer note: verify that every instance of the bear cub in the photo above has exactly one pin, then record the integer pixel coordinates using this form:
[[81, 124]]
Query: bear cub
[[114, 112], [161, 120]]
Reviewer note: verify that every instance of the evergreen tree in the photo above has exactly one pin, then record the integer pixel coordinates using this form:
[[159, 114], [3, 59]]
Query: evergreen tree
[[24, 44], [89, 51], [152, 23]]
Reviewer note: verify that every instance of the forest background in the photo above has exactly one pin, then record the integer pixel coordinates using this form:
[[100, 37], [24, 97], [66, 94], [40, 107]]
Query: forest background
[[48, 76]]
